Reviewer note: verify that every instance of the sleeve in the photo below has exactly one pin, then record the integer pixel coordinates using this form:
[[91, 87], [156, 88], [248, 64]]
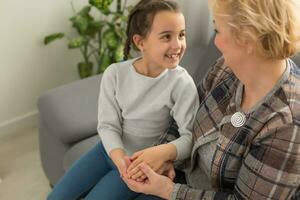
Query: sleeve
[[109, 113], [186, 103], [216, 74], [270, 170]]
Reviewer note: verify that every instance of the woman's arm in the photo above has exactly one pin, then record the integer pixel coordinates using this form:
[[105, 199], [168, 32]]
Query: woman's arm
[[270, 170]]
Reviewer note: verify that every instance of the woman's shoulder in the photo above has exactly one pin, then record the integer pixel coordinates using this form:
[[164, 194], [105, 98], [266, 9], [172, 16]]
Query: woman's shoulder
[[217, 74], [294, 72], [219, 71], [291, 90], [285, 102]]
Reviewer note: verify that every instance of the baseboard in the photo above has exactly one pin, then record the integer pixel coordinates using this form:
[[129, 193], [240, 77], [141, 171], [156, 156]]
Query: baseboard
[[26, 121]]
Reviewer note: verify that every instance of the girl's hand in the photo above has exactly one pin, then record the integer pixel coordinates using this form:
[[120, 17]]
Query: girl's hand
[[123, 165], [121, 161], [155, 157], [155, 184]]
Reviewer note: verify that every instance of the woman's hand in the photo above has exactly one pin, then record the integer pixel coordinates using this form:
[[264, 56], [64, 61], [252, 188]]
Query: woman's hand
[[155, 157], [168, 170], [155, 184]]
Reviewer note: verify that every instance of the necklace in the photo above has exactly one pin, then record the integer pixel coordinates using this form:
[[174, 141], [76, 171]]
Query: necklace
[[238, 119]]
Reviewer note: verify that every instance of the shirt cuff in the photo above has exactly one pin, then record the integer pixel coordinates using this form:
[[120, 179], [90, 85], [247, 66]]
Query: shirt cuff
[[183, 146], [175, 191], [110, 140]]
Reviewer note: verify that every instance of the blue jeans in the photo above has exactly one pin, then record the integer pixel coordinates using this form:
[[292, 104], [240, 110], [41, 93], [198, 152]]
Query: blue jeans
[[94, 177]]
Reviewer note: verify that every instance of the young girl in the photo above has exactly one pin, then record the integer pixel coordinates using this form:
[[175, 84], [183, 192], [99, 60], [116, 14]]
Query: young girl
[[138, 99]]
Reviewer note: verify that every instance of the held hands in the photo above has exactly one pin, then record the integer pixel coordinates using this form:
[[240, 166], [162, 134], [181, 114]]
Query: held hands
[[154, 157], [155, 184]]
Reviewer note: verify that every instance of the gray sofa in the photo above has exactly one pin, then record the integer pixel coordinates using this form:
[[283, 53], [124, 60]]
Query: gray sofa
[[68, 114]]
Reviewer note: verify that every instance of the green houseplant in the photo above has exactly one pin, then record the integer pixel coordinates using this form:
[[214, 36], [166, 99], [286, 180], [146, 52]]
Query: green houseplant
[[100, 41]]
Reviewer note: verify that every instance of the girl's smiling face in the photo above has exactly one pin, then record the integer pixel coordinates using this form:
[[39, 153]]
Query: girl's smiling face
[[165, 44]]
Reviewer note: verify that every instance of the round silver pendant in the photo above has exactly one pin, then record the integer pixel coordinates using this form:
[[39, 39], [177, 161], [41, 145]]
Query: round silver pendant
[[238, 119]]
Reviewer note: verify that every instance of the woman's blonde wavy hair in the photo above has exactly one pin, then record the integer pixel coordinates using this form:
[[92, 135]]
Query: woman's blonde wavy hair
[[273, 24]]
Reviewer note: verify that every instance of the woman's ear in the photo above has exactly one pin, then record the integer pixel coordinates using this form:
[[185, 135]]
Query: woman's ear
[[138, 41], [250, 46], [247, 43]]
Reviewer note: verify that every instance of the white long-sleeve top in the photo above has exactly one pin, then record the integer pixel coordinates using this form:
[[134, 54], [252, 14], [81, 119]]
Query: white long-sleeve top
[[134, 110]]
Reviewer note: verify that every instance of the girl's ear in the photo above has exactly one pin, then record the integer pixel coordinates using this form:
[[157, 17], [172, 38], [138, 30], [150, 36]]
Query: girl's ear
[[138, 41]]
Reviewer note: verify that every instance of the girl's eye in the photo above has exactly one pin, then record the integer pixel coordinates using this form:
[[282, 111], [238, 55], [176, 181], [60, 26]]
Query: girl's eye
[[166, 37], [182, 35]]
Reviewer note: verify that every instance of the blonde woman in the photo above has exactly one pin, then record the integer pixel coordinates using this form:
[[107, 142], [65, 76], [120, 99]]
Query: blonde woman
[[247, 129]]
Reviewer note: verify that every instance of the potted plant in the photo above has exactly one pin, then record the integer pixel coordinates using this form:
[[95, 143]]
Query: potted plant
[[100, 41]]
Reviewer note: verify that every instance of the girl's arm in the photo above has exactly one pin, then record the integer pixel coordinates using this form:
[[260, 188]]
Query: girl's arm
[[118, 158], [110, 119], [155, 157], [186, 102]]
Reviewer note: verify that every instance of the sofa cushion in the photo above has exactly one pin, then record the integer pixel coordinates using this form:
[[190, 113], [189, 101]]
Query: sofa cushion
[[78, 149]]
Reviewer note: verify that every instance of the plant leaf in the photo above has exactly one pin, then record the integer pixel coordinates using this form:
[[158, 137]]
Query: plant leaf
[[111, 38], [80, 23], [85, 11], [119, 53], [77, 42], [105, 61], [50, 38], [82, 19], [102, 5], [94, 27]]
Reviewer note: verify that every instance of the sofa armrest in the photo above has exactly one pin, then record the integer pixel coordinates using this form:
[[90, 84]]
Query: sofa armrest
[[70, 111]]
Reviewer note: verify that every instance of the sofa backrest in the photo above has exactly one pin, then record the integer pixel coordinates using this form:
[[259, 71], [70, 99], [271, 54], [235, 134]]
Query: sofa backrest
[[296, 59], [197, 60]]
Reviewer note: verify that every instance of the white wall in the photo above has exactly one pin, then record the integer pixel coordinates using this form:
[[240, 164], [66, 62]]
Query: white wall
[[28, 68]]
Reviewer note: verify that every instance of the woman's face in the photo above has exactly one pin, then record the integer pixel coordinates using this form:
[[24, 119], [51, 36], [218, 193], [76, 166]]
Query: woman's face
[[233, 53]]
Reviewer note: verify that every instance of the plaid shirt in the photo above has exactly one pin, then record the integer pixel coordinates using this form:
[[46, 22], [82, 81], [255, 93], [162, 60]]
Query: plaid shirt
[[261, 159]]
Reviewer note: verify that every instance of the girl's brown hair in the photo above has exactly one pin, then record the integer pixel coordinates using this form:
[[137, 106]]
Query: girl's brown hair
[[141, 18]]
